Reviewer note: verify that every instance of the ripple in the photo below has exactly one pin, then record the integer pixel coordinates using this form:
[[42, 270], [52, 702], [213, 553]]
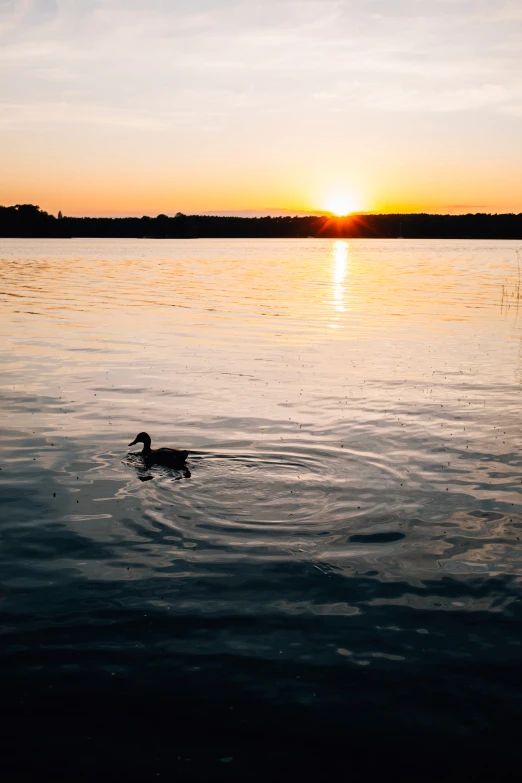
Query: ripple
[[346, 537]]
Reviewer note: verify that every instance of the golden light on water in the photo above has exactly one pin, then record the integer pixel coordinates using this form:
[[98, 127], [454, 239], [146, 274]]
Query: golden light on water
[[339, 271]]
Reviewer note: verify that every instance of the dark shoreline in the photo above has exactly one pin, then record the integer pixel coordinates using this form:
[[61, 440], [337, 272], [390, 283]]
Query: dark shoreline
[[28, 221]]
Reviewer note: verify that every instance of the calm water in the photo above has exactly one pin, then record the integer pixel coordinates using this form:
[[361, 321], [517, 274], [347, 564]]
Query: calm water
[[340, 575]]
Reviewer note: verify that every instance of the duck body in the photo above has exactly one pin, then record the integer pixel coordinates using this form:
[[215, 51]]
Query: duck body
[[170, 458]]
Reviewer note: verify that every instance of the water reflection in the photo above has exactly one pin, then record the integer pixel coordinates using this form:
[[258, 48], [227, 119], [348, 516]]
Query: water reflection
[[146, 472], [355, 498], [339, 270]]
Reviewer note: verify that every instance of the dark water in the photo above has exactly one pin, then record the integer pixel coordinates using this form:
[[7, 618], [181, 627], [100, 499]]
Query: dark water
[[334, 591]]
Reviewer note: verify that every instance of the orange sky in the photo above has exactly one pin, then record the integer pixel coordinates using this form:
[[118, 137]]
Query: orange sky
[[141, 108]]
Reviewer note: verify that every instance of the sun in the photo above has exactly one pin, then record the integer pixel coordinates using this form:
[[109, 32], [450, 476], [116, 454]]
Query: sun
[[341, 204]]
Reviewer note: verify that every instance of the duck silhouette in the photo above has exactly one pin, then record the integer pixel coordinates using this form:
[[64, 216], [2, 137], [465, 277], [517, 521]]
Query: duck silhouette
[[170, 458]]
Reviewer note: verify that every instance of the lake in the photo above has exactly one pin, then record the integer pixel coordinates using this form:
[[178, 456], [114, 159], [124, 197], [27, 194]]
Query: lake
[[334, 585]]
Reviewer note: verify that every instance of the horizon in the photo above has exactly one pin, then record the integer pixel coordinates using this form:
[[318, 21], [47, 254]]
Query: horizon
[[282, 242], [314, 106], [261, 213]]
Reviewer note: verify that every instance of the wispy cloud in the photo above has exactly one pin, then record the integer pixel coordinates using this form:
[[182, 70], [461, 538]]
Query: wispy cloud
[[459, 99], [16, 114], [444, 56], [262, 82]]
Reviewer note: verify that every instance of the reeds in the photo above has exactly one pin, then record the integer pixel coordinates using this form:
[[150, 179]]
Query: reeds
[[510, 292]]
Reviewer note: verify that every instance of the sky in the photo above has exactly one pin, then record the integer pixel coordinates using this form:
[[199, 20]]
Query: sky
[[132, 107]]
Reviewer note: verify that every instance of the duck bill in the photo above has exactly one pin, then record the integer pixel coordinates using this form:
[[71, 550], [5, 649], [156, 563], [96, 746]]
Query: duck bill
[[133, 443]]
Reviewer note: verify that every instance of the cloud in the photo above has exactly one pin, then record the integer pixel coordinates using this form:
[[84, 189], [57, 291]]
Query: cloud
[[459, 99], [152, 56], [13, 114]]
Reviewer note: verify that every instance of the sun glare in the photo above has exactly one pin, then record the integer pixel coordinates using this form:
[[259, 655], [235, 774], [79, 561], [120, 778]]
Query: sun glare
[[341, 205]]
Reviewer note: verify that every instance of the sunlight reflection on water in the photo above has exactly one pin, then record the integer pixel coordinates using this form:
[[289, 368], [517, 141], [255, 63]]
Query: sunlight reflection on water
[[353, 414], [340, 267]]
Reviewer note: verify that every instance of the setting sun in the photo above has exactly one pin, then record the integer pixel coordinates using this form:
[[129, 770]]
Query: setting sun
[[341, 205]]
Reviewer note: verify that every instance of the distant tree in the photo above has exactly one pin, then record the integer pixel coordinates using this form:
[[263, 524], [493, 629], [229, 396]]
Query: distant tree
[[28, 220], [28, 209], [60, 216]]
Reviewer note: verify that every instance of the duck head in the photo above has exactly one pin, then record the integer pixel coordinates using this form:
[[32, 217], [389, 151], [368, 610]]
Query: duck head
[[142, 437]]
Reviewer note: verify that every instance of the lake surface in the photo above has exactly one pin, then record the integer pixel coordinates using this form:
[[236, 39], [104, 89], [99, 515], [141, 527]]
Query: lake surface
[[335, 584]]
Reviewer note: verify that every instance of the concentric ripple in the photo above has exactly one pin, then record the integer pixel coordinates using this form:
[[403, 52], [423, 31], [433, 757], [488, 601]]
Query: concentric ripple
[[347, 534]]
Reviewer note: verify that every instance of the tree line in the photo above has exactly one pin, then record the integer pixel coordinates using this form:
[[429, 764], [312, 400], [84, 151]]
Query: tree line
[[28, 220]]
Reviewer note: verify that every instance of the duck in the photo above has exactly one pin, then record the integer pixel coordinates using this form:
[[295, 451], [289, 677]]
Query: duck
[[171, 458]]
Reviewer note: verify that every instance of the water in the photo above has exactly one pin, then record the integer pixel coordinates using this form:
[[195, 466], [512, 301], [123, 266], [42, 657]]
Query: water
[[335, 584]]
